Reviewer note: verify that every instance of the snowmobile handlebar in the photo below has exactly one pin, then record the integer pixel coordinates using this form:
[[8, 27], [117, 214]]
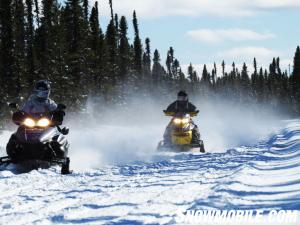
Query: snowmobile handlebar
[[56, 117], [192, 114]]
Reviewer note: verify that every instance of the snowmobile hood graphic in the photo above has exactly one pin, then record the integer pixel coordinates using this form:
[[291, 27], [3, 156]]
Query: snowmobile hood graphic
[[182, 137]]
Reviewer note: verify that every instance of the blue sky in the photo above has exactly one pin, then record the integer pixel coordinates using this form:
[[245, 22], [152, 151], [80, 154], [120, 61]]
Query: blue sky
[[208, 31]]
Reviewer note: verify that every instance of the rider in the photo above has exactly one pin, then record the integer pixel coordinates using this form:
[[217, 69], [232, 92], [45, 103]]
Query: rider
[[182, 105], [39, 102], [39, 105]]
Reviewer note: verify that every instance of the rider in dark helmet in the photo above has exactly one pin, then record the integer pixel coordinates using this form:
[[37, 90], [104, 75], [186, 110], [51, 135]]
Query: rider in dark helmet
[[39, 102], [181, 105]]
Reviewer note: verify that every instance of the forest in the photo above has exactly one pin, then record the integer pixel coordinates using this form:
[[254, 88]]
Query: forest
[[64, 43]]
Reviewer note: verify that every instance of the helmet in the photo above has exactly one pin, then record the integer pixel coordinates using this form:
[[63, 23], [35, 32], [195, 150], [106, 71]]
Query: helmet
[[42, 89], [182, 96]]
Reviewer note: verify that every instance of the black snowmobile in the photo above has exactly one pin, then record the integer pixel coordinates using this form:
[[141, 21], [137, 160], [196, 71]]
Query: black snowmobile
[[39, 139]]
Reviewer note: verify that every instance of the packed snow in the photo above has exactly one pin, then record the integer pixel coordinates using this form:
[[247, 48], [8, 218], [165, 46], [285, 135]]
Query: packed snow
[[151, 189]]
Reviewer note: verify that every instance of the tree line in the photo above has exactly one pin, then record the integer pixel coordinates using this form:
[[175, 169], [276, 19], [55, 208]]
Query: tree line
[[65, 44]]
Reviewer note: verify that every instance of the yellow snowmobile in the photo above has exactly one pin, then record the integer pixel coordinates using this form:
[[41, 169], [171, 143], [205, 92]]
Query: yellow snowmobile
[[182, 138]]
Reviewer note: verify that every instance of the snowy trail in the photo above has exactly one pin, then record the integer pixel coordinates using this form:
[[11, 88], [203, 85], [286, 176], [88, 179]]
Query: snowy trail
[[263, 176]]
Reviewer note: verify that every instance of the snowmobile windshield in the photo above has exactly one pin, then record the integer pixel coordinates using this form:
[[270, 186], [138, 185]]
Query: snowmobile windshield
[[182, 98]]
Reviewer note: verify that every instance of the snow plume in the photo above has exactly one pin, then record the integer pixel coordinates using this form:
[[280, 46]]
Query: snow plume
[[131, 132], [226, 125], [117, 135]]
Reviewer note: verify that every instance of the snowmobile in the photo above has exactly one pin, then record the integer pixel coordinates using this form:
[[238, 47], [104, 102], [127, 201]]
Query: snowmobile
[[39, 139], [182, 136]]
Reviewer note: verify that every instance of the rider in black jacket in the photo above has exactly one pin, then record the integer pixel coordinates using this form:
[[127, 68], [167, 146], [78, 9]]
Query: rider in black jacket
[[181, 105]]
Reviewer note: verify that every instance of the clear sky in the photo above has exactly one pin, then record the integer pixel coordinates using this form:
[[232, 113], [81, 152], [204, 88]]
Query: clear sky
[[208, 31]]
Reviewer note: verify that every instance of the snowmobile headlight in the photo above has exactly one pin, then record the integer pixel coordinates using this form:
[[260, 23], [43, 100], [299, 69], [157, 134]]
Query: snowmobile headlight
[[185, 120], [44, 122], [177, 121], [29, 122]]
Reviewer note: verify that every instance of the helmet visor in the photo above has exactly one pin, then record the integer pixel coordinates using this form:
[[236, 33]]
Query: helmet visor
[[44, 94], [182, 98]]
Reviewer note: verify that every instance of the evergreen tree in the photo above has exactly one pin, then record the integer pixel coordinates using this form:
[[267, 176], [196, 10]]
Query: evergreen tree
[[67, 45], [46, 40], [19, 47], [254, 79], [111, 66], [86, 9], [223, 68], [214, 75], [138, 49], [147, 59], [205, 76], [191, 73], [260, 86], [245, 81], [37, 12], [296, 71], [96, 45], [295, 80], [30, 58], [111, 9], [157, 69], [205, 82], [169, 62], [124, 49], [77, 55], [6, 53], [255, 66]]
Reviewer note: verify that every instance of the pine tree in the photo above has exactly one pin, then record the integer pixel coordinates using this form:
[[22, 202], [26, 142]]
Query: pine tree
[[296, 71], [214, 75], [6, 53], [96, 45], [295, 80], [205, 82], [77, 57], [278, 66], [95, 27], [124, 49], [169, 63], [147, 59], [255, 66], [19, 47], [191, 72], [245, 81], [157, 68], [176, 69], [254, 79], [111, 9], [86, 9], [30, 57], [205, 76], [223, 68], [66, 45], [46, 36], [138, 49], [260, 86], [37, 12], [112, 66]]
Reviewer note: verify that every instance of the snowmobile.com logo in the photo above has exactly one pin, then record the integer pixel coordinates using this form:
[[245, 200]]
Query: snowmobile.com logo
[[236, 216]]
